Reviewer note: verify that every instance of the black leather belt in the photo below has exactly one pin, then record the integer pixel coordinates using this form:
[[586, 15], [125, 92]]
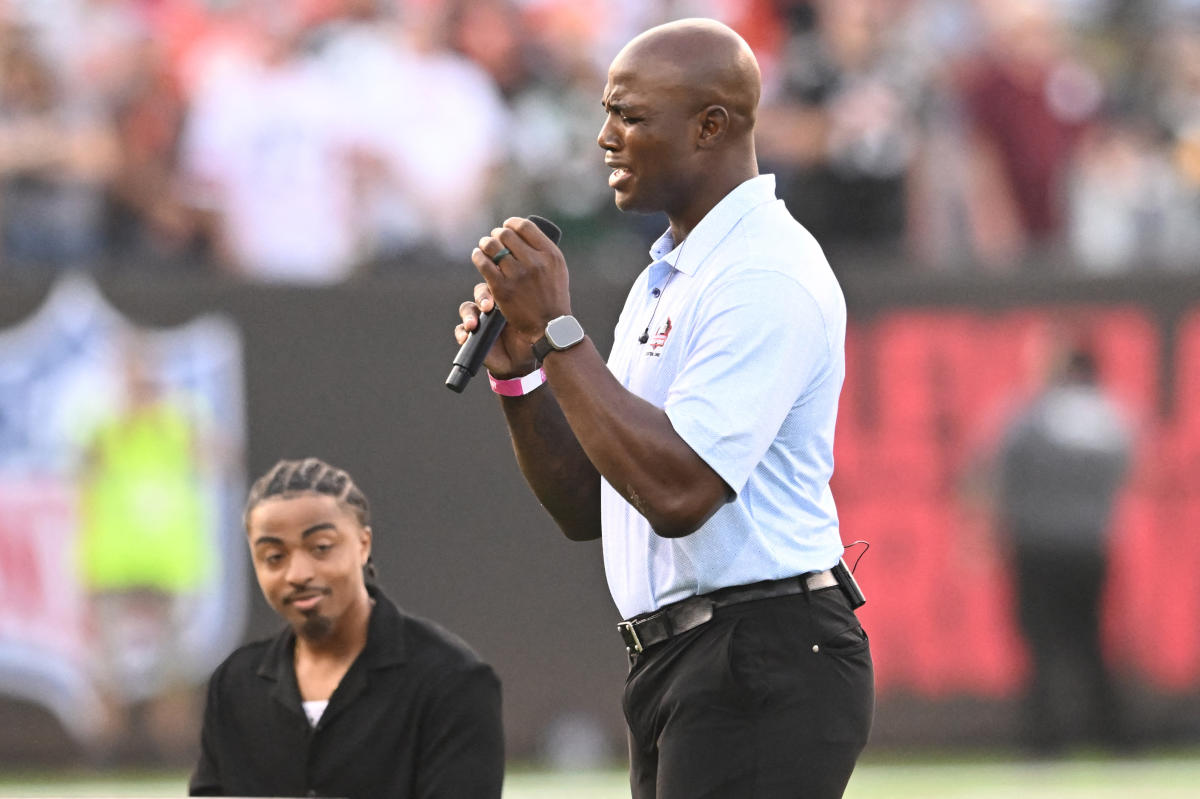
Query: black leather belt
[[642, 632]]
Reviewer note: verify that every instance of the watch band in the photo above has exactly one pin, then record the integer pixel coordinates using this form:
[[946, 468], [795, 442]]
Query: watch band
[[541, 348], [518, 386]]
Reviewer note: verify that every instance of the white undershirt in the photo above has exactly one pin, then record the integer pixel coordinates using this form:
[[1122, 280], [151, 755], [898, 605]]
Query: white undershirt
[[314, 708]]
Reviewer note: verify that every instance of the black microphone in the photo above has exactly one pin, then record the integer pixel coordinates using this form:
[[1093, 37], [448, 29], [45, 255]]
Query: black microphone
[[479, 341]]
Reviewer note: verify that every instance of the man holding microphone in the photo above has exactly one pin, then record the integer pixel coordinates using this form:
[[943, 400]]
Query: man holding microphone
[[701, 452]]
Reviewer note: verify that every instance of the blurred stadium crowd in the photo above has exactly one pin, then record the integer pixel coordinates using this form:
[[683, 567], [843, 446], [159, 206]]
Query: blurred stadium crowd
[[310, 141]]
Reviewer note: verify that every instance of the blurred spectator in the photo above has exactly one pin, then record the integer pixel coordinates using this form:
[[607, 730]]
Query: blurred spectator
[[57, 155], [1028, 102], [281, 134], [551, 162], [146, 217], [428, 124], [942, 37], [347, 140], [90, 44], [839, 132], [570, 29], [143, 550], [268, 155], [1129, 207], [492, 34], [1061, 465]]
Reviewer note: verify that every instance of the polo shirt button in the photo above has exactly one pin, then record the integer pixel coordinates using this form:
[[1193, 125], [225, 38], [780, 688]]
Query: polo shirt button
[[655, 292]]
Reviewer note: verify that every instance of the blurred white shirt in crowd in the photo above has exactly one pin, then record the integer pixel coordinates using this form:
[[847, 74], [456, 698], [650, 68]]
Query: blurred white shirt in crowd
[[438, 126], [268, 149]]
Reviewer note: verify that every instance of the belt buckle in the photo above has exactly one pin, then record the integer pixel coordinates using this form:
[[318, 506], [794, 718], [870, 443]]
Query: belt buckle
[[633, 644]]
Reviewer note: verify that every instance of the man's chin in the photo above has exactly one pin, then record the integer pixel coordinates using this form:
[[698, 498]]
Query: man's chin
[[631, 204], [315, 627]]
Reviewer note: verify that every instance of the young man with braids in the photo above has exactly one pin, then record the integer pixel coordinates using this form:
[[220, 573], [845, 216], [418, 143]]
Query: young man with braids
[[354, 698], [701, 452]]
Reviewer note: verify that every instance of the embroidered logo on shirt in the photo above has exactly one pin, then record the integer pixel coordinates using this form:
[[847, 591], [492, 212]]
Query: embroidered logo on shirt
[[659, 338]]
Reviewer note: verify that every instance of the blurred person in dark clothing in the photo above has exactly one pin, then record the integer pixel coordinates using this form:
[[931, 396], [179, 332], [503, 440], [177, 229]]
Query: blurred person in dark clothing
[[1061, 466], [839, 130], [355, 697]]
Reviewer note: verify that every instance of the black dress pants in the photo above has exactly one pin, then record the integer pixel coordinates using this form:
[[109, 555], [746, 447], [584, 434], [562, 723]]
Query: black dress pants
[[771, 699]]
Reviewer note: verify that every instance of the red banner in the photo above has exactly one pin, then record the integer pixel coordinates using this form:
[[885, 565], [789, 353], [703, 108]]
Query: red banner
[[926, 396]]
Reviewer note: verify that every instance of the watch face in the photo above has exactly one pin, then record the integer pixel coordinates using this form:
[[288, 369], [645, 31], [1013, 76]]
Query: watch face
[[563, 332]]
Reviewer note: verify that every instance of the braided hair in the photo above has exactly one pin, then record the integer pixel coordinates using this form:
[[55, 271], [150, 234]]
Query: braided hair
[[287, 478]]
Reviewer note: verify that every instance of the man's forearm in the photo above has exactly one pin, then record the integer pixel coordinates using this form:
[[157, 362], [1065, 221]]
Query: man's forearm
[[554, 464], [633, 444]]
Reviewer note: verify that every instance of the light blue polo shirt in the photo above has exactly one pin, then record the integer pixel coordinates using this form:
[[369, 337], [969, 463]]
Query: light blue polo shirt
[[745, 351]]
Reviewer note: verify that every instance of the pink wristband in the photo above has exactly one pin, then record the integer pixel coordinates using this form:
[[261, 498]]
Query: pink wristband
[[518, 386]]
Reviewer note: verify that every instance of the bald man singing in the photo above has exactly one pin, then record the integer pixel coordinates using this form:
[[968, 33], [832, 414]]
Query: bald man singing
[[701, 452]]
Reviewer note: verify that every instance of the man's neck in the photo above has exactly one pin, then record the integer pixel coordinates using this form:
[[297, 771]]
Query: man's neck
[[321, 663], [707, 197]]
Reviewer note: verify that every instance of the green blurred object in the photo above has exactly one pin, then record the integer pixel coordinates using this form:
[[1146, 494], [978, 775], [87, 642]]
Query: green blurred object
[[1172, 775], [142, 513]]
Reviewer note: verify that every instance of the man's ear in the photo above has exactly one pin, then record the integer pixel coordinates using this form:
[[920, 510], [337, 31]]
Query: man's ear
[[364, 537], [714, 124]]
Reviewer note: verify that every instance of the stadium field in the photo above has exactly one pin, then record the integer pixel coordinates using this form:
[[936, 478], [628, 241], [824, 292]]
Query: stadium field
[[1164, 776]]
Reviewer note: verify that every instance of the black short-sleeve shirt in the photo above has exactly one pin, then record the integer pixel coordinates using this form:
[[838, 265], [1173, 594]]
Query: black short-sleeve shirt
[[417, 716]]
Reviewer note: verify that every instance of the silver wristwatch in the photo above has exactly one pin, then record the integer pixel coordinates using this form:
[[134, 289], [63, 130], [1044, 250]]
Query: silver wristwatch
[[562, 333]]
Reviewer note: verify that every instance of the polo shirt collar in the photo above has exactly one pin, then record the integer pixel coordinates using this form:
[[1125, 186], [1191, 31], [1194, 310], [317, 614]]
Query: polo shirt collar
[[385, 647], [715, 225], [385, 633]]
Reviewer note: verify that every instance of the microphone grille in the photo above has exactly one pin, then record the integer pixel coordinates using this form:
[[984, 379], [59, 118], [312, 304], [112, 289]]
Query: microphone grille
[[551, 230]]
